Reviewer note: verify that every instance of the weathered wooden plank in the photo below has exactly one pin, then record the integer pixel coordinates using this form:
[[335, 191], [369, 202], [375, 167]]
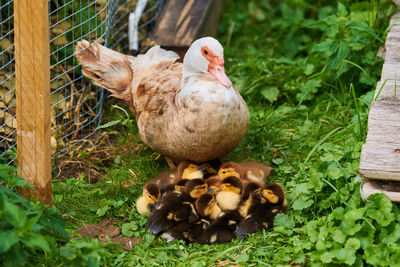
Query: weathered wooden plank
[[383, 132], [391, 189], [395, 18], [392, 50], [32, 64], [390, 71], [182, 21], [384, 112], [380, 161], [388, 90]]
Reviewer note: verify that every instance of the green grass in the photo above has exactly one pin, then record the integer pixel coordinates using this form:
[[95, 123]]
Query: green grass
[[307, 70]]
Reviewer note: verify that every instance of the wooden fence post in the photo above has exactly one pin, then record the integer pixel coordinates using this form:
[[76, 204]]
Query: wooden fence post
[[32, 66]]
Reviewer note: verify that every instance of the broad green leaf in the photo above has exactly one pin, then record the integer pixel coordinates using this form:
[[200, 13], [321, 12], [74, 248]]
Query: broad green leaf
[[7, 240], [302, 203], [35, 240], [352, 243], [339, 236], [327, 257], [16, 215], [270, 93], [283, 220], [334, 171], [342, 11]]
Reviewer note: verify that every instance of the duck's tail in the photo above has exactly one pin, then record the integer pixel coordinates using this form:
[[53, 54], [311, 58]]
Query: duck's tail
[[107, 68]]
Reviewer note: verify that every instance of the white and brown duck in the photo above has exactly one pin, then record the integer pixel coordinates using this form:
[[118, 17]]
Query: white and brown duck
[[185, 111]]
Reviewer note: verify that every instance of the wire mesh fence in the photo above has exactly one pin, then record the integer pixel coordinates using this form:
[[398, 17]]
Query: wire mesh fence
[[76, 105]]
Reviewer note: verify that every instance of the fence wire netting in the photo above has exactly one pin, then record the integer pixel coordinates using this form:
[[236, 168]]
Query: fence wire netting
[[76, 104]]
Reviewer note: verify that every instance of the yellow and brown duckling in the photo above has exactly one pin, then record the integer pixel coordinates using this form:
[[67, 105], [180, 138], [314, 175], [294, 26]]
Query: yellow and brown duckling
[[206, 209], [247, 171], [176, 206], [151, 195], [229, 194], [185, 170], [260, 209], [214, 183]]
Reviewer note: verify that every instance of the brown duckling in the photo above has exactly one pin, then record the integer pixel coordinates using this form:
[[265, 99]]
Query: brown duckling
[[189, 170], [207, 210], [176, 206], [222, 229], [248, 171], [210, 168], [248, 188], [214, 182], [151, 195], [207, 207], [185, 170], [260, 209], [229, 194], [275, 195]]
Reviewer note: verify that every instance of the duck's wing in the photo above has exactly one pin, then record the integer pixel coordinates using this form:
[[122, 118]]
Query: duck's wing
[[122, 74]]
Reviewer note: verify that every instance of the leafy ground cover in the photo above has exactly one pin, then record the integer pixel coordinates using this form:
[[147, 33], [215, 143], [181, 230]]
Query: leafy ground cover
[[307, 70]]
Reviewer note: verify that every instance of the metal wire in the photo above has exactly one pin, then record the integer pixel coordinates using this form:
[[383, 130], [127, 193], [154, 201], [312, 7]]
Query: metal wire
[[76, 105]]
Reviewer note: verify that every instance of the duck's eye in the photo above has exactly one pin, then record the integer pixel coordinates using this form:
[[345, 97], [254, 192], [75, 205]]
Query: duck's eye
[[205, 52]]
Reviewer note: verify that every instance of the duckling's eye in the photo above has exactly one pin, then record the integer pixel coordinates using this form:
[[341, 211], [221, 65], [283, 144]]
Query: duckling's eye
[[206, 52]]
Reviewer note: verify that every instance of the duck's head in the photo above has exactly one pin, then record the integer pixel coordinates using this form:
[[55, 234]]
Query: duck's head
[[229, 194], [274, 194], [249, 188], [206, 206], [207, 169], [228, 169], [151, 195], [213, 182], [189, 170], [180, 186], [196, 187], [151, 192], [231, 184], [206, 55]]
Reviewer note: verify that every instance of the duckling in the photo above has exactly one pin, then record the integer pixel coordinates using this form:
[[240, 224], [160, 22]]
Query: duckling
[[260, 209], [222, 229], [248, 188], [176, 206], [207, 210], [248, 171], [151, 195], [210, 168], [166, 180], [180, 186], [229, 194], [214, 182], [189, 170], [207, 207], [275, 195]]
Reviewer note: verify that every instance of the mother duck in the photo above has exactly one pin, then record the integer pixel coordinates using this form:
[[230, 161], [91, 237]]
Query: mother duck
[[188, 111]]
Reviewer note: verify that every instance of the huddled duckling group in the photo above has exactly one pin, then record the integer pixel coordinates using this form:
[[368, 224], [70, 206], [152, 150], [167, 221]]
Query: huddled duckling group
[[199, 204]]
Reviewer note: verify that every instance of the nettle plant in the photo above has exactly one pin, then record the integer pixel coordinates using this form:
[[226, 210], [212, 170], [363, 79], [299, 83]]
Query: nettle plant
[[348, 44], [25, 227]]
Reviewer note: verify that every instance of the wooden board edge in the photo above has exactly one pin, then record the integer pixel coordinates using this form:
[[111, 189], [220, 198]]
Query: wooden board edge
[[379, 175], [369, 188]]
